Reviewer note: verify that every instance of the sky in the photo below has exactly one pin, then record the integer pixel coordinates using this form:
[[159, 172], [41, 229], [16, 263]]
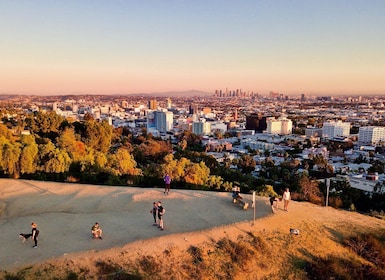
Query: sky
[[292, 47]]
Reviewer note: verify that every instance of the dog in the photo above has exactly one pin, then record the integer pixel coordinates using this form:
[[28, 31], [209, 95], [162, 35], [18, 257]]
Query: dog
[[25, 236], [294, 231]]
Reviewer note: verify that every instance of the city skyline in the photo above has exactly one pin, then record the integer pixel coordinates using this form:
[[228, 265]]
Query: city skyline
[[131, 47]]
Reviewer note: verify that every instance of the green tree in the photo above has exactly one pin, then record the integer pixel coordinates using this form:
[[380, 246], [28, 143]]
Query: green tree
[[9, 158], [246, 163], [98, 135], [28, 156], [215, 182], [52, 159]]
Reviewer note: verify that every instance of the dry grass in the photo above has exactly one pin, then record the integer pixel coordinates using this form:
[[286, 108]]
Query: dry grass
[[246, 257], [352, 248]]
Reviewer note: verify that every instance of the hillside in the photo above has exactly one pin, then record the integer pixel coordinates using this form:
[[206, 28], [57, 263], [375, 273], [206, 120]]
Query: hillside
[[263, 249]]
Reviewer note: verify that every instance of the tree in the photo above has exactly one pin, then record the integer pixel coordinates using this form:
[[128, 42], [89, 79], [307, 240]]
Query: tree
[[52, 159], [309, 189], [246, 163], [9, 156], [67, 141], [122, 163], [215, 182], [98, 135], [197, 173], [28, 156]]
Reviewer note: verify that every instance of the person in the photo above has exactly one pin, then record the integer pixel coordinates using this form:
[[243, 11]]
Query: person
[[154, 212], [272, 200], [286, 199], [96, 231], [34, 234], [161, 212], [236, 190], [167, 181]]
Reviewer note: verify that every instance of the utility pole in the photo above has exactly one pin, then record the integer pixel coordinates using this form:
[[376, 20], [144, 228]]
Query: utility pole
[[327, 181]]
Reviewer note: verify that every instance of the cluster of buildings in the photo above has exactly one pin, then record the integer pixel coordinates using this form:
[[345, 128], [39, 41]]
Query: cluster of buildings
[[232, 121]]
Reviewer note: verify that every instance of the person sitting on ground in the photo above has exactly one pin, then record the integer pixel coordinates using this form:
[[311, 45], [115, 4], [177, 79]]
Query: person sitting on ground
[[236, 190], [96, 231]]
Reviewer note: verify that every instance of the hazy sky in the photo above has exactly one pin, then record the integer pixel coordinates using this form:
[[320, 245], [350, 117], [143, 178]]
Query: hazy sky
[[143, 46]]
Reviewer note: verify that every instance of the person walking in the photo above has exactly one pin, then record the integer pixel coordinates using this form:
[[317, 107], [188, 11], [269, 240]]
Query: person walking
[[34, 234], [154, 212], [286, 199], [167, 181], [161, 212]]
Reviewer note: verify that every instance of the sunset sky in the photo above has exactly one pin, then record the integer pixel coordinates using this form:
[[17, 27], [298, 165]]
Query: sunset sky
[[148, 46]]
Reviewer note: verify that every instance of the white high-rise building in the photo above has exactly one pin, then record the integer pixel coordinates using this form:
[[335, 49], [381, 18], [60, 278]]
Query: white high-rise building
[[281, 126], [335, 129], [163, 120], [371, 135]]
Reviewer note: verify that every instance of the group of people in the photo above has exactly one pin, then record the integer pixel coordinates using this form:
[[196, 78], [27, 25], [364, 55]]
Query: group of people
[[158, 212], [286, 199], [96, 232]]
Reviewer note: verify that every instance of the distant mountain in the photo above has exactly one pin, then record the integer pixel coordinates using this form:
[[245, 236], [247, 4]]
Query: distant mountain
[[187, 93]]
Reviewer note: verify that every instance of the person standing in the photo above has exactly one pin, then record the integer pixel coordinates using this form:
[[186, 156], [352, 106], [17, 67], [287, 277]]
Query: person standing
[[34, 234], [161, 212], [154, 212], [274, 200], [167, 181], [286, 198]]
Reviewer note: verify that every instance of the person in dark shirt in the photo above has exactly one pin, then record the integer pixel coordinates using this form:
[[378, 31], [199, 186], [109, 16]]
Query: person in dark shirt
[[161, 212], [273, 200], [34, 234], [154, 211]]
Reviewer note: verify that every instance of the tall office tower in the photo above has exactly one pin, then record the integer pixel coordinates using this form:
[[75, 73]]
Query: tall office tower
[[201, 128], [256, 122], [273, 126], [168, 103], [371, 135], [164, 120], [281, 126], [286, 126], [150, 118], [335, 129], [193, 109], [152, 104], [303, 98]]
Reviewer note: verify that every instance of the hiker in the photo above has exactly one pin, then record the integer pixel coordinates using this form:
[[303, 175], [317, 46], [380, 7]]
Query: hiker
[[154, 211], [161, 212], [286, 199], [34, 234], [167, 181]]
